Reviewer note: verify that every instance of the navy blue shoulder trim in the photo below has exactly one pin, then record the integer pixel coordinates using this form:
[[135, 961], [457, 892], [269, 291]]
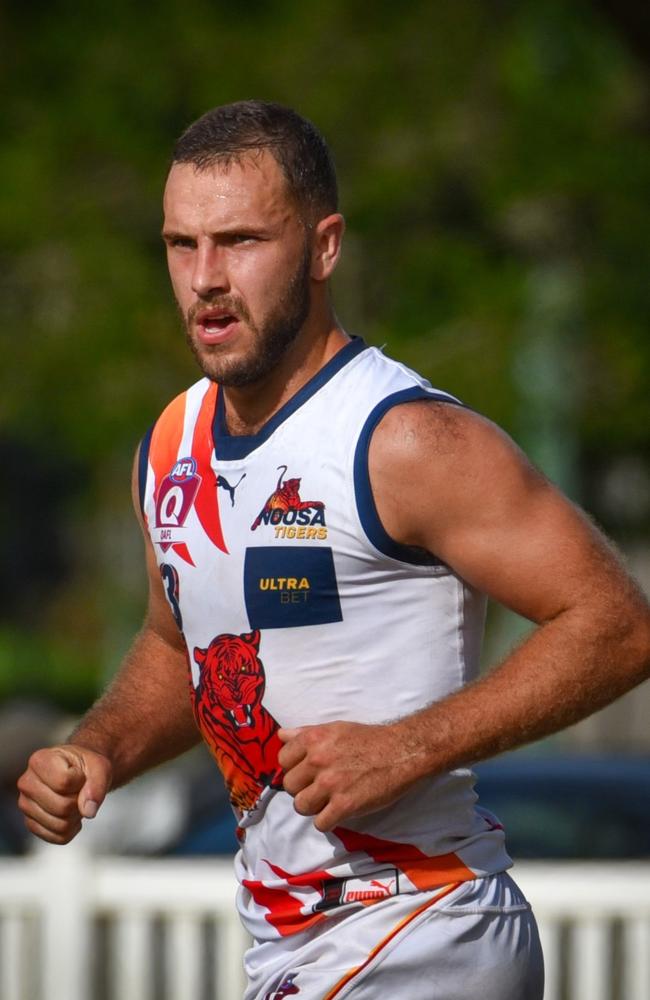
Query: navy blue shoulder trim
[[366, 507], [143, 461], [230, 447]]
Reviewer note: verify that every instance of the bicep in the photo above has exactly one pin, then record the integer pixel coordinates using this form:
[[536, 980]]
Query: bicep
[[479, 505], [526, 545]]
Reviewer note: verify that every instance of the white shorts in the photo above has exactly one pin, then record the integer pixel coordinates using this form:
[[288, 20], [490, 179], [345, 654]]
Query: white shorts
[[476, 939]]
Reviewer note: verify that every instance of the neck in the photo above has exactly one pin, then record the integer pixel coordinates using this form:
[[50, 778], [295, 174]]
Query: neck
[[247, 409]]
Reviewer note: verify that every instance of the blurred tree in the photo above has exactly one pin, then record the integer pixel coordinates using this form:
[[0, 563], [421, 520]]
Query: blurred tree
[[494, 163], [632, 20]]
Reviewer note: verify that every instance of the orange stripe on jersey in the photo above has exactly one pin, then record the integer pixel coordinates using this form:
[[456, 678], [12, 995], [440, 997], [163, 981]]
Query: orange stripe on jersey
[[424, 871], [166, 439], [349, 976], [206, 503]]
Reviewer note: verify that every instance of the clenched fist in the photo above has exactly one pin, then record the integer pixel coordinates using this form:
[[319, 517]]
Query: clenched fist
[[341, 769], [61, 786]]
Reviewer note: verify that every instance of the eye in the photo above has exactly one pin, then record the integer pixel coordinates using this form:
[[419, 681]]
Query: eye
[[180, 242], [220, 676], [242, 239], [244, 669]]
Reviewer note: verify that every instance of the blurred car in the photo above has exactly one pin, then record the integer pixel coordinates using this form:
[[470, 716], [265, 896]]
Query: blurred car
[[569, 807], [552, 807]]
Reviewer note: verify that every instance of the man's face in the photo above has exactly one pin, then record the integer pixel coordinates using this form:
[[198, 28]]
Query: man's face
[[239, 261]]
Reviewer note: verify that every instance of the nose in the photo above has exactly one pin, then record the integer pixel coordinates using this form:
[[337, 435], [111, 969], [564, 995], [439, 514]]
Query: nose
[[210, 276]]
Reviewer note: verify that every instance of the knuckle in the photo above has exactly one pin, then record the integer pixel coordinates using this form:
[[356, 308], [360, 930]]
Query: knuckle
[[330, 781], [23, 784], [35, 761], [343, 802], [317, 756], [327, 781]]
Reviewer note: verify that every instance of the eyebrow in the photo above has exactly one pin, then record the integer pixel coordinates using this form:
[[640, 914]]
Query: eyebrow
[[260, 229]]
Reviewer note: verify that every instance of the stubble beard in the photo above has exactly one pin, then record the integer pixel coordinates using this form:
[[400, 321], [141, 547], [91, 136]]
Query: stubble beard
[[271, 340]]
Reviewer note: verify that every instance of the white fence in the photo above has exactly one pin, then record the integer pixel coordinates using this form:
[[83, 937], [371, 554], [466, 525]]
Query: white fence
[[74, 927]]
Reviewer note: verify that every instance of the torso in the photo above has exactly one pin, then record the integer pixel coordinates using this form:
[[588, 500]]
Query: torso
[[297, 608]]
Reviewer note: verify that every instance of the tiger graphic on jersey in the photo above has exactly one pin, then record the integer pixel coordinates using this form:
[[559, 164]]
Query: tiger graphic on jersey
[[285, 497], [240, 732]]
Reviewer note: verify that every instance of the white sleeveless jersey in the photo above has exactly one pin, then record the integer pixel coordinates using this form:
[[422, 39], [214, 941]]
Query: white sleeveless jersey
[[297, 609]]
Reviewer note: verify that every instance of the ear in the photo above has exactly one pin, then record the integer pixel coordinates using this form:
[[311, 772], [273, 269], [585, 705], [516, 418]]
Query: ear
[[327, 239], [200, 655], [252, 638]]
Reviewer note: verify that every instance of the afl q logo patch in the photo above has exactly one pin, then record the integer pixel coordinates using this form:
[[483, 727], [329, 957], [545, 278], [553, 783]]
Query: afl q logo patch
[[176, 495]]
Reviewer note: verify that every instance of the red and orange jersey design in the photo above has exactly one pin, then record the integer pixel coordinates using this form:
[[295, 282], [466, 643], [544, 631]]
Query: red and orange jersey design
[[171, 472], [236, 726]]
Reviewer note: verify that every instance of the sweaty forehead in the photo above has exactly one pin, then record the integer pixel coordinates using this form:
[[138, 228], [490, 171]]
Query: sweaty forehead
[[245, 191]]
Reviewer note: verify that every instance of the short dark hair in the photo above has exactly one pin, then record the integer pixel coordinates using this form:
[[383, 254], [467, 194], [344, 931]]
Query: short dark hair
[[227, 133]]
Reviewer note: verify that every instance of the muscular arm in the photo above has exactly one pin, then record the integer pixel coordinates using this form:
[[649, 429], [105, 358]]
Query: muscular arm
[[475, 501], [145, 716], [143, 719]]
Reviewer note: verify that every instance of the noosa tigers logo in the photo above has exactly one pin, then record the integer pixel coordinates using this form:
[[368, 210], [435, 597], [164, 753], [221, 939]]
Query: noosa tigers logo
[[238, 729], [285, 508]]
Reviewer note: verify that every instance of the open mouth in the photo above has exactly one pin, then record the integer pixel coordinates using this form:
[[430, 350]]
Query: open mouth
[[214, 325], [240, 716]]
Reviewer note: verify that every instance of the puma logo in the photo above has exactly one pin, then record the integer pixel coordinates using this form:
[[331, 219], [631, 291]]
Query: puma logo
[[223, 482], [386, 886]]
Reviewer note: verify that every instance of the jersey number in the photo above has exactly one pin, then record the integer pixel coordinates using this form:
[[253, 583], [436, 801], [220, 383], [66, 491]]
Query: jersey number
[[171, 583]]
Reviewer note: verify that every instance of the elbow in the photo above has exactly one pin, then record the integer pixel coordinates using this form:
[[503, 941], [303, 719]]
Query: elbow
[[635, 643]]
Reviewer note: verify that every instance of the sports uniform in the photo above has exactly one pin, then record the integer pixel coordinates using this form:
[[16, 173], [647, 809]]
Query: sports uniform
[[297, 608]]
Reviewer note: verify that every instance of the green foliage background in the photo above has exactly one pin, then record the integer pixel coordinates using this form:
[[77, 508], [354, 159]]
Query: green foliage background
[[494, 164]]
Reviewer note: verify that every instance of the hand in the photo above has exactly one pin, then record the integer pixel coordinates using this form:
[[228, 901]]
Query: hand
[[61, 786], [344, 769]]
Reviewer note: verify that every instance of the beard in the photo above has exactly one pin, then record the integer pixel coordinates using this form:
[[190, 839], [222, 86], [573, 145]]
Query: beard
[[271, 339]]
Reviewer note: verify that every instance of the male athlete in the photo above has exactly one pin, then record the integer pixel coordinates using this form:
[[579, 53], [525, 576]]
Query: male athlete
[[321, 527]]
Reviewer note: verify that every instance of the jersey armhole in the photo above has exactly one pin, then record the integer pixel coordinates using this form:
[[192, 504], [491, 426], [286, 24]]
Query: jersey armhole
[[366, 507], [143, 464]]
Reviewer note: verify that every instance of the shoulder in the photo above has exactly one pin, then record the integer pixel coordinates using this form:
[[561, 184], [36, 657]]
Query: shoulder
[[434, 466], [444, 430]]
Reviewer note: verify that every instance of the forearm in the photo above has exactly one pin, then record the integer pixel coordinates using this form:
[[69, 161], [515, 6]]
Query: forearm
[[568, 668], [145, 716], [572, 665]]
